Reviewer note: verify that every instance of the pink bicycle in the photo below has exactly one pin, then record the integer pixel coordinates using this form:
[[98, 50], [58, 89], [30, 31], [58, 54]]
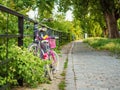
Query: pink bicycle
[[44, 48]]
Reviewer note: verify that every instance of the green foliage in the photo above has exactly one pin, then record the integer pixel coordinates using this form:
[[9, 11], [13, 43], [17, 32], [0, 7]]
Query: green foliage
[[64, 5], [95, 29], [21, 6], [118, 22], [62, 85], [66, 64], [45, 8], [8, 23], [92, 11], [28, 30], [112, 45], [66, 26], [21, 64]]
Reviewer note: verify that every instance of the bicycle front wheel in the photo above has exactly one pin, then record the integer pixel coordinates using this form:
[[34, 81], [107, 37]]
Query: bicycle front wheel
[[55, 59], [34, 49], [49, 72]]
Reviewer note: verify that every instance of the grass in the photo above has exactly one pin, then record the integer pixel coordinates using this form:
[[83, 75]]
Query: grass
[[66, 64], [63, 73], [62, 84], [112, 45]]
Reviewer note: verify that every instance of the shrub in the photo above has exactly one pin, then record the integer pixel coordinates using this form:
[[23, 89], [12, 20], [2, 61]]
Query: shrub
[[21, 64]]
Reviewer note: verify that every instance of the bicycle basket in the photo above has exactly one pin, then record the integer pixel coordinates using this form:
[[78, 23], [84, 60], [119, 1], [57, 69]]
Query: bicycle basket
[[52, 43]]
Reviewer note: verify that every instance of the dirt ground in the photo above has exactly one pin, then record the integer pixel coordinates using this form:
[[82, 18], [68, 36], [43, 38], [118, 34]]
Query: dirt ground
[[57, 78]]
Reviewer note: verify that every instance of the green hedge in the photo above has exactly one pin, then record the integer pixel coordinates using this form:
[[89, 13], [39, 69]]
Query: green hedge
[[21, 64]]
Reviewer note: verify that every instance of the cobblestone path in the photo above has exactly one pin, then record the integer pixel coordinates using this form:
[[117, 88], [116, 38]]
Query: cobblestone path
[[89, 69]]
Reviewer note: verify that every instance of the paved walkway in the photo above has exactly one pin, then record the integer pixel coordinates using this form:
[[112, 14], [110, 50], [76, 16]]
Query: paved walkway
[[91, 70]]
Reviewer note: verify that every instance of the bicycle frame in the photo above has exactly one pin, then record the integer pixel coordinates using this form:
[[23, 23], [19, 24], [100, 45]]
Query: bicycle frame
[[44, 46]]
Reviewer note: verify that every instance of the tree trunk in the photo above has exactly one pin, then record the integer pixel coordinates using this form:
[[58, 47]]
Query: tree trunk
[[111, 25]]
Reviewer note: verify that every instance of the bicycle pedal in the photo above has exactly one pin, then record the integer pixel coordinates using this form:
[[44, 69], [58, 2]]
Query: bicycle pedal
[[54, 71], [51, 66]]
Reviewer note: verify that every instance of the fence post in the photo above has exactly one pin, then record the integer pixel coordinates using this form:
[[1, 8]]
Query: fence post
[[20, 41], [20, 30]]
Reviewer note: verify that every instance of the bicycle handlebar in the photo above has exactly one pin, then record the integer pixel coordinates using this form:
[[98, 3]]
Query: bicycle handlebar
[[50, 37], [54, 37]]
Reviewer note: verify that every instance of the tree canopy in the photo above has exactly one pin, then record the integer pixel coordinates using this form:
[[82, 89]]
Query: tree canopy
[[94, 17], [105, 12]]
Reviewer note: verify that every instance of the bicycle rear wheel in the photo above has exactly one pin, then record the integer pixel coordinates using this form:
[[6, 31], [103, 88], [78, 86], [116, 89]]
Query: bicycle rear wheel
[[34, 49]]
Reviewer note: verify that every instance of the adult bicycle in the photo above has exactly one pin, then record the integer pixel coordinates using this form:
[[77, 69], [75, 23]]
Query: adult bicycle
[[44, 49]]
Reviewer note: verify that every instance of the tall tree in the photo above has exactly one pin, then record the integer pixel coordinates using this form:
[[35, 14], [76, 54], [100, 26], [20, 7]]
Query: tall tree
[[108, 8], [111, 13]]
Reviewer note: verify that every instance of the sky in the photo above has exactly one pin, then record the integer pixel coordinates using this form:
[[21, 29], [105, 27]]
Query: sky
[[69, 15], [32, 14]]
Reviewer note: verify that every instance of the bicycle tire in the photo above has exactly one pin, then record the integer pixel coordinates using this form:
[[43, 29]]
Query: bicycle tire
[[49, 72], [34, 49], [56, 64]]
